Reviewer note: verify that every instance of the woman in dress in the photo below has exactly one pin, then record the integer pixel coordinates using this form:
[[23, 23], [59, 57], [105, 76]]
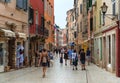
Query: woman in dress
[[44, 60], [66, 56]]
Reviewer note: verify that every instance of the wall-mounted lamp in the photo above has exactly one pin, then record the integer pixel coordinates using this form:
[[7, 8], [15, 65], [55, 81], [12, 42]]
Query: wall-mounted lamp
[[104, 10]]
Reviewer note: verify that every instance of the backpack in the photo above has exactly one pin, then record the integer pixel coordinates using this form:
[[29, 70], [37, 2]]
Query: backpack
[[76, 58]]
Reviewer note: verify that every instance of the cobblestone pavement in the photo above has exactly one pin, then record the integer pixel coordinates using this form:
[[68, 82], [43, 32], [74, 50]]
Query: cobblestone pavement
[[59, 74]]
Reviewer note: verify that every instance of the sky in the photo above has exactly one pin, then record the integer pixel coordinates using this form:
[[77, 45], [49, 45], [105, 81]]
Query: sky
[[61, 7]]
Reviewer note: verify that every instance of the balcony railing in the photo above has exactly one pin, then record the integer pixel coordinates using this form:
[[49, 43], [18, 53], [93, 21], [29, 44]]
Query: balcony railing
[[46, 32]]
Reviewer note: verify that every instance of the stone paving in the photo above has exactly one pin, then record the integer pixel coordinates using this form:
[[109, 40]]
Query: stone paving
[[59, 74]]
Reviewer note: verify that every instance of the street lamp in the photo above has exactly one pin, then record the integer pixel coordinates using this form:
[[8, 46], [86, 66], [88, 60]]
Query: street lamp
[[104, 10]]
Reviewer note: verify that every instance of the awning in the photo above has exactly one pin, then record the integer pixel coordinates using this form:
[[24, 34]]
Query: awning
[[7, 33], [21, 35]]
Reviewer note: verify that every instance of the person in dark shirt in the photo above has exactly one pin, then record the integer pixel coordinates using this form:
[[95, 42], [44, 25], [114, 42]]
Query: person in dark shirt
[[82, 59], [88, 57]]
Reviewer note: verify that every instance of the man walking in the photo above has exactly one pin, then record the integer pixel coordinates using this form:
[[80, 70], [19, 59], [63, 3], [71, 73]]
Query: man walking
[[88, 57], [82, 59]]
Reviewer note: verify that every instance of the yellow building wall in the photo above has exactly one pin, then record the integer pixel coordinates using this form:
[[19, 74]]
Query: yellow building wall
[[98, 9]]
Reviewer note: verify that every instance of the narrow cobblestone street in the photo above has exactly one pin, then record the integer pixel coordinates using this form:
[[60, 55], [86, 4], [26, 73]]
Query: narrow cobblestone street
[[59, 74]]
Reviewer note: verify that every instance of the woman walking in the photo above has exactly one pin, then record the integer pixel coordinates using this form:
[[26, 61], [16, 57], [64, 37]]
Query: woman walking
[[66, 56], [43, 60]]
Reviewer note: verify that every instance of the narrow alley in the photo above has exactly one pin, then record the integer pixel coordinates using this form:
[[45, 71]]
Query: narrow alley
[[59, 73]]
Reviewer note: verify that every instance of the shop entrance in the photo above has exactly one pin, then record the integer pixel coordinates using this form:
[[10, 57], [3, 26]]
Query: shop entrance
[[2, 57]]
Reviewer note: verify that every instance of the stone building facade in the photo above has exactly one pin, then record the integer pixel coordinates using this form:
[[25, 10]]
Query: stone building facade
[[13, 30]]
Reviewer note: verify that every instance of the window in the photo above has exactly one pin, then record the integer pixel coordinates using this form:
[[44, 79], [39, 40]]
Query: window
[[91, 24], [113, 8], [80, 8], [31, 15], [80, 26], [36, 21], [21, 4], [45, 6], [75, 34], [100, 18], [6, 1], [109, 49], [90, 3], [36, 17]]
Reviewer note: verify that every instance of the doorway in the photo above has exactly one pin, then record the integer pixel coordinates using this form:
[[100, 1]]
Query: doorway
[[11, 50], [2, 56]]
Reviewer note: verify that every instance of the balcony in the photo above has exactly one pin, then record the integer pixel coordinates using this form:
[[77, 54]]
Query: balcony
[[46, 32]]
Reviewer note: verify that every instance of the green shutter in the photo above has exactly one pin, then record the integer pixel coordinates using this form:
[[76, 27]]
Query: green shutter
[[100, 17], [87, 5], [90, 3], [101, 49]]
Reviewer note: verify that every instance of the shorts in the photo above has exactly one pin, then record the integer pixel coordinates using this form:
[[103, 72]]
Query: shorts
[[44, 64], [88, 57], [83, 61]]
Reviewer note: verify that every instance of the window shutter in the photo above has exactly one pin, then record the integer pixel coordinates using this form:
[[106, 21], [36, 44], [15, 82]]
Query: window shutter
[[81, 8], [2, 0], [101, 19], [90, 3], [25, 5], [19, 4], [31, 15], [114, 8], [91, 24], [7, 1]]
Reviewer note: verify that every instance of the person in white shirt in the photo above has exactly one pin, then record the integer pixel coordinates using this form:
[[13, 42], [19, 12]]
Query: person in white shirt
[[74, 59]]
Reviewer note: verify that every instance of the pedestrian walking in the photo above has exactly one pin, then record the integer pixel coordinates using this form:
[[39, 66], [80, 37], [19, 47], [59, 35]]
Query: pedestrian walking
[[50, 58], [88, 57], [43, 60], [17, 57], [39, 56], [21, 51], [31, 52], [66, 57], [36, 58], [61, 58], [74, 59], [70, 51], [82, 59]]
